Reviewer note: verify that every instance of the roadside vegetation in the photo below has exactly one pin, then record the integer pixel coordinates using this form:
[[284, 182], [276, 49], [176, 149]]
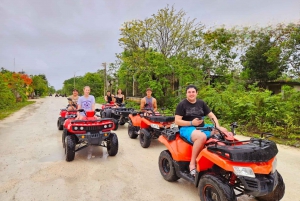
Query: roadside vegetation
[[17, 87], [10, 110]]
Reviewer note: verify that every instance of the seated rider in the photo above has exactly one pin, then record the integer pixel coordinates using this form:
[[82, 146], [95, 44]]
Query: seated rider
[[119, 98], [86, 102], [109, 97], [73, 99], [189, 114], [148, 102]]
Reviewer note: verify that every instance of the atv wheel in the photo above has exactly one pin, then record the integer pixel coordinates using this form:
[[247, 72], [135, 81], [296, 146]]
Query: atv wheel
[[212, 187], [63, 137], [59, 123], [166, 166], [132, 131], [145, 138], [70, 147], [112, 144], [278, 192], [122, 121]]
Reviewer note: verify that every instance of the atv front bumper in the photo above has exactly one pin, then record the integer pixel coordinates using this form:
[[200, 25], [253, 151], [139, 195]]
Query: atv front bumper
[[260, 185], [94, 138]]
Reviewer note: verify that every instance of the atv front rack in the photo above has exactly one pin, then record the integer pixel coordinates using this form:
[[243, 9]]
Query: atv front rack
[[160, 118], [254, 150], [96, 120]]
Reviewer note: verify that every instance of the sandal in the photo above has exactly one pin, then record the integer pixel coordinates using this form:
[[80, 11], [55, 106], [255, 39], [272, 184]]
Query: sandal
[[193, 172]]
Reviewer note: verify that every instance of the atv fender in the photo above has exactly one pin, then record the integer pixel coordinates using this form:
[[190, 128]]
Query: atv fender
[[135, 119], [207, 159], [180, 150]]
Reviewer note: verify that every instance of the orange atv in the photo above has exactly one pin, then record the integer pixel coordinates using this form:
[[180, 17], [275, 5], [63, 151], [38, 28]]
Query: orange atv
[[226, 167], [148, 125]]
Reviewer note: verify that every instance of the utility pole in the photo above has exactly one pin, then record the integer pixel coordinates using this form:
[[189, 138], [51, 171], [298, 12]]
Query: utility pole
[[105, 77]]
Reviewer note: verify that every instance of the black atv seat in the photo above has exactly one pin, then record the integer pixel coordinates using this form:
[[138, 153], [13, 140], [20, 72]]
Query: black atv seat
[[160, 118]]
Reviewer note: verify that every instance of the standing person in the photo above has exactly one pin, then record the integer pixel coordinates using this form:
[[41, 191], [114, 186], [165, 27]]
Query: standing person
[[188, 115], [109, 97], [148, 102], [119, 97], [74, 97], [86, 102]]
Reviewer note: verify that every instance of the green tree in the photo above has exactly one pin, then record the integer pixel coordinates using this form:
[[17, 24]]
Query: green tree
[[261, 62], [7, 97], [39, 85]]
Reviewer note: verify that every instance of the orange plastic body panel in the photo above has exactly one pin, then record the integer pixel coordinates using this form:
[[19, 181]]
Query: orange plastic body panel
[[206, 159], [180, 150], [136, 119], [145, 123]]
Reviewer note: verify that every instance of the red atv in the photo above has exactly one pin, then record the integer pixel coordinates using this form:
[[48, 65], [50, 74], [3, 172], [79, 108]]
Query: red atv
[[64, 112], [148, 126], [226, 167], [78, 134]]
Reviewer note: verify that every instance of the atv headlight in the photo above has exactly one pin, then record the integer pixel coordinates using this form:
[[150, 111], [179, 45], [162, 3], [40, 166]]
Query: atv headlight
[[274, 165], [154, 126], [243, 171], [105, 126], [75, 128], [109, 125], [81, 128]]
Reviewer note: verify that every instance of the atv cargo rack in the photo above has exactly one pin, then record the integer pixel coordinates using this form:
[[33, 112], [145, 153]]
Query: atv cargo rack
[[256, 150], [88, 121]]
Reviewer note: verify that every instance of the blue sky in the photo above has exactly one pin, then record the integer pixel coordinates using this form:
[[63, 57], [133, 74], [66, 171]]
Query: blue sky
[[60, 37]]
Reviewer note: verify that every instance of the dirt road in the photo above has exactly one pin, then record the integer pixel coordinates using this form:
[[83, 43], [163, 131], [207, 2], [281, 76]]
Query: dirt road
[[32, 165]]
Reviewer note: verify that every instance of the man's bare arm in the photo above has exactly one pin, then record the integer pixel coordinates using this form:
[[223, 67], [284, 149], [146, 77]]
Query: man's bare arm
[[142, 105], [214, 119], [154, 105]]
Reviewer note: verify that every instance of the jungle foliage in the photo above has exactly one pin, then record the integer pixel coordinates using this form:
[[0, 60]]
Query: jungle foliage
[[231, 67]]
